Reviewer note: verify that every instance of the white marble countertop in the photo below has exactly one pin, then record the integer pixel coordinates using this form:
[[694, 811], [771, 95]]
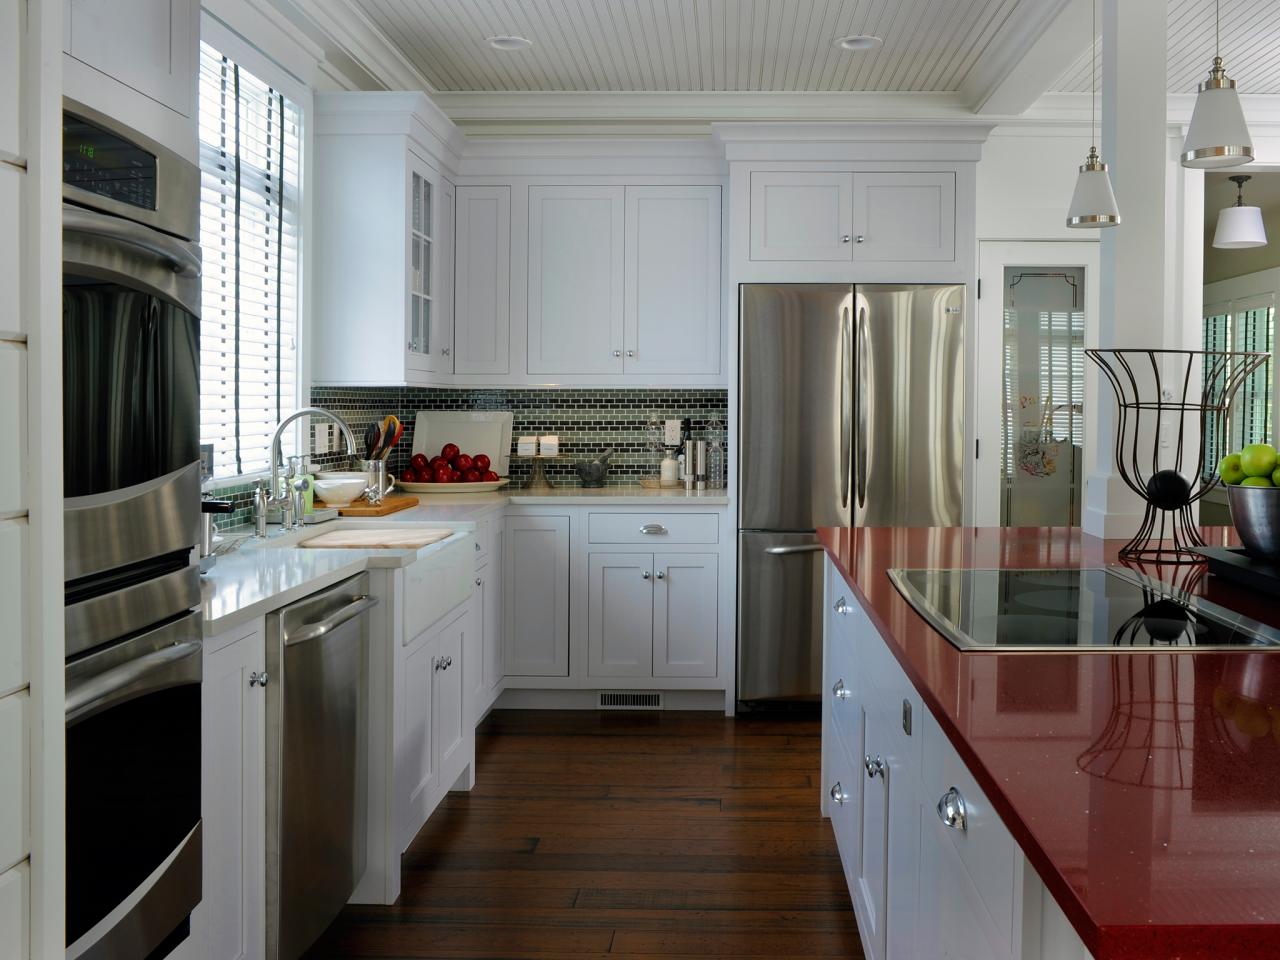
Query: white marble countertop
[[254, 579]]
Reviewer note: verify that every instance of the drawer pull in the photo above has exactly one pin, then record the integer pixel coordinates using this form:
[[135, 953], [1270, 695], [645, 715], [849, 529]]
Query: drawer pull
[[951, 810], [841, 691], [842, 607], [653, 530], [875, 768], [838, 794]]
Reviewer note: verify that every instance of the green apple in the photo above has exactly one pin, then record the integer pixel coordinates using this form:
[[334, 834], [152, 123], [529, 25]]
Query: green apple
[[1229, 469], [1275, 478], [1256, 482], [1258, 459]]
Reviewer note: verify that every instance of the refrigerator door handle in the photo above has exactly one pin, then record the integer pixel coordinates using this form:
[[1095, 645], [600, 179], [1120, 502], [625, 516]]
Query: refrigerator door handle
[[860, 401], [797, 548], [846, 406]]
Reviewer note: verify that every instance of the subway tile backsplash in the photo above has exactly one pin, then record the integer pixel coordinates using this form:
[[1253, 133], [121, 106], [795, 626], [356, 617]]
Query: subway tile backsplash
[[587, 420]]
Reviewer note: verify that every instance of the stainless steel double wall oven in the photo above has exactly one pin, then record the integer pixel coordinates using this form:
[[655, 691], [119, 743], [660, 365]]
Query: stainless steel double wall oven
[[131, 423]]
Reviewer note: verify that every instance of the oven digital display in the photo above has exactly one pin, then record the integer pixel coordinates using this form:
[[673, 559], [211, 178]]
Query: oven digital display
[[97, 160]]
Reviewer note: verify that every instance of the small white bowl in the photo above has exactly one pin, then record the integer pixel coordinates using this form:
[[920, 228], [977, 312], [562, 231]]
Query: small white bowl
[[339, 487]]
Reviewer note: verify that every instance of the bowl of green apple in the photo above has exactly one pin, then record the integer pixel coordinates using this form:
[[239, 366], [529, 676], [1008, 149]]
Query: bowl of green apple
[[1252, 478]]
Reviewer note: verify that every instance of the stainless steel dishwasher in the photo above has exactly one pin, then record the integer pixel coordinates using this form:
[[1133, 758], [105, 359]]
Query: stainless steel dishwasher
[[317, 761]]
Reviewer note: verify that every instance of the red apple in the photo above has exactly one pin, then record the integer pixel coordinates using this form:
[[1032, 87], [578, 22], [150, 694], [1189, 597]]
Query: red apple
[[471, 476], [490, 477], [437, 462], [449, 451], [418, 461], [455, 476], [409, 476], [482, 462], [463, 462], [443, 475]]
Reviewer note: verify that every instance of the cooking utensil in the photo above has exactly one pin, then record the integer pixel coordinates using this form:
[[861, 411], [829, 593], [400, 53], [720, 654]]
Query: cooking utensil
[[396, 432], [1255, 511], [370, 440]]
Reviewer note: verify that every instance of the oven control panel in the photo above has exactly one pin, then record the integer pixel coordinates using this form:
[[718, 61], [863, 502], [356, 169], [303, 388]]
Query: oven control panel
[[101, 162]]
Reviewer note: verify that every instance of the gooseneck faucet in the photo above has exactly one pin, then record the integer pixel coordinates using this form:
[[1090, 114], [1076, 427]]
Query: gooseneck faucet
[[272, 496]]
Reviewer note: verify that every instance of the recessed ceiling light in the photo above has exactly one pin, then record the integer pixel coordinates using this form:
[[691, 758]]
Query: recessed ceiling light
[[858, 41], [510, 43]]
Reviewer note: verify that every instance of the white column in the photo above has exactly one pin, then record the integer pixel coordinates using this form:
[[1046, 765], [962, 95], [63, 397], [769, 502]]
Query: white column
[[1137, 291]]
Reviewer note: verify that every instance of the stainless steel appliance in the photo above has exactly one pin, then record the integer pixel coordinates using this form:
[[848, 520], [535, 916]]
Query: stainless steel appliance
[[1093, 609], [851, 408], [317, 762], [131, 420]]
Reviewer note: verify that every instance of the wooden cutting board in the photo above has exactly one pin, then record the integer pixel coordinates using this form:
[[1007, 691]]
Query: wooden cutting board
[[361, 508], [378, 539]]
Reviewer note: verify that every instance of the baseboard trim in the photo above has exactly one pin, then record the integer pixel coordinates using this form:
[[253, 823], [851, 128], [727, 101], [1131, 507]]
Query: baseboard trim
[[516, 699]]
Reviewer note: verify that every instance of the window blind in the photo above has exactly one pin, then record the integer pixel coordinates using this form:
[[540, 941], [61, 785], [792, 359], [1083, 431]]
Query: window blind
[[1242, 325], [249, 226]]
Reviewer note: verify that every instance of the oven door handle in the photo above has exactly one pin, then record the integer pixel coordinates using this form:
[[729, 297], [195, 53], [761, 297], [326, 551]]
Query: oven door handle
[[313, 631], [159, 670], [183, 258]]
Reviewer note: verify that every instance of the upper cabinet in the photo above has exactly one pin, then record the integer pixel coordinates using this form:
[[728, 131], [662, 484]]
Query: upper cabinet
[[383, 214], [853, 217], [576, 264], [482, 327]]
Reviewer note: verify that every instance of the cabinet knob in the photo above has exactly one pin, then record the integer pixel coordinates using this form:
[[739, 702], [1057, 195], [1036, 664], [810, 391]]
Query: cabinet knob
[[662, 575], [445, 351], [840, 691], [617, 353], [448, 662], [875, 768], [409, 346], [846, 238], [253, 678], [951, 810], [861, 238], [262, 679], [478, 581], [477, 546], [842, 607], [645, 574], [631, 353], [838, 794]]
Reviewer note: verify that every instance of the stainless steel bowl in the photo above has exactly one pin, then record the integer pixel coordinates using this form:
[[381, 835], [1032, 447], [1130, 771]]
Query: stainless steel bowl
[[1255, 511]]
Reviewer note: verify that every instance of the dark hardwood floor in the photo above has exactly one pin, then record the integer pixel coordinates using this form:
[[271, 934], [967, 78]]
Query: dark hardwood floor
[[637, 835]]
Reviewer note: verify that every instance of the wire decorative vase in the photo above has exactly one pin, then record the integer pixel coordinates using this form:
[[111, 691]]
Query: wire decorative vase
[[1159, 395]]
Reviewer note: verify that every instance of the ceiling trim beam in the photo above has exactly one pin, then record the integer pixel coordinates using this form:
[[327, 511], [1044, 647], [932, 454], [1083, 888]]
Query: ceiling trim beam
[[1036, 53]]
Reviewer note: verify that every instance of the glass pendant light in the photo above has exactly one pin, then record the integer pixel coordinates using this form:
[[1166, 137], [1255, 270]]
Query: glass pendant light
[[1093, 204], [1218, 135], [1240, 227]]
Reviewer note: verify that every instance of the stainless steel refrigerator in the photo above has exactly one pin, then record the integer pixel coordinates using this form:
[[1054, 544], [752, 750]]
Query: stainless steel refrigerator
[[851, 412]]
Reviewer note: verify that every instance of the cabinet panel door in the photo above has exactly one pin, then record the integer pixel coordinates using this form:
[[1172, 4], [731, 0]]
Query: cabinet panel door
[[449, 707], [13, 446], [686, 614], [473, 649], [13, 582], [145, 44], [801, 216], [673, 280], [493, 614], [233, 802], [15, 788], [873, 875], [443, 318], [620, 607], [12, 29], [15, 912], [11, 253], [417, 760], [952, 922], [482, 325], [904, 216], [536, 588], [575, 279], [423, 305]]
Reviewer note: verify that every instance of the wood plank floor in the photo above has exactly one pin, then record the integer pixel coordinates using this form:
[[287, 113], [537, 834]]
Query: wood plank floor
[[621, 835]]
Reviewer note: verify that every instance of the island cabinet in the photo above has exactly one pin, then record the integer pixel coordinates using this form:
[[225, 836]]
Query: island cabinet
[[853, 217], [933, 872]]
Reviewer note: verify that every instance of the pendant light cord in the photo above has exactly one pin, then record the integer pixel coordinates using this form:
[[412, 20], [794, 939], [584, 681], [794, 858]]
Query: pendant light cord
[[1093, 97]]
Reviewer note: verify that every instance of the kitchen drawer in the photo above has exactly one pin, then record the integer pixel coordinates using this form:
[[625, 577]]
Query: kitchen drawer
[[985, 848], [14, 777], [435, 585], [653, 528], [484, 541], [11, 179], [13, 548], [846, 815], [15, 900]]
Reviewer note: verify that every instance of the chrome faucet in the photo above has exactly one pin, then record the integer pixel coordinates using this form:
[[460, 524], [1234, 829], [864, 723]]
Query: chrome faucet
[[272, 496]]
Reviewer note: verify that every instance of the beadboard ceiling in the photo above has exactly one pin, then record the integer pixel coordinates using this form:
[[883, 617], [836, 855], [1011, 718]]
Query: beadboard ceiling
[[1250, 47], [701, 45]]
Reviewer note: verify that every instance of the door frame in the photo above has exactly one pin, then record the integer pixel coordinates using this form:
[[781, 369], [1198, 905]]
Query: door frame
[[993, 257]]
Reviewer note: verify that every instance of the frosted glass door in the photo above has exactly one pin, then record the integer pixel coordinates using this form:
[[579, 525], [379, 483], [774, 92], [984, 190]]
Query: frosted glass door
[[421, 262]]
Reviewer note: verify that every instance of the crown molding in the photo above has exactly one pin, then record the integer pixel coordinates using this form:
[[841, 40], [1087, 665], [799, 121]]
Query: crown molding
[[351, 32]]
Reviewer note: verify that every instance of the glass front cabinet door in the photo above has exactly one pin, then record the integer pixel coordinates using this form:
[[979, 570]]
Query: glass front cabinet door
[[429, 321]]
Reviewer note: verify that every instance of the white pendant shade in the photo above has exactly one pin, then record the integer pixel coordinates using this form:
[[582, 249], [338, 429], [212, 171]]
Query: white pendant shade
[[1240, 228], [1218, 135], [1093, 204]]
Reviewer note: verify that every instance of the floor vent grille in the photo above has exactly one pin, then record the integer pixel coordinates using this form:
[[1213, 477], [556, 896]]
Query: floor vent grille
[[619, 700]]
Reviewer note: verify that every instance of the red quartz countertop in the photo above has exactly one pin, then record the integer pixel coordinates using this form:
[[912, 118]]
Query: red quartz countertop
[[1143, 787]]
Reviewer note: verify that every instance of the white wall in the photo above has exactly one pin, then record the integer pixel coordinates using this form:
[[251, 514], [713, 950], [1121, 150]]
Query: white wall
[[1025, 179]]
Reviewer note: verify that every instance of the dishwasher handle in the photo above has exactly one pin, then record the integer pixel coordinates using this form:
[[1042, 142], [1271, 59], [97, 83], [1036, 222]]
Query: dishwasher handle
[[313, 631]]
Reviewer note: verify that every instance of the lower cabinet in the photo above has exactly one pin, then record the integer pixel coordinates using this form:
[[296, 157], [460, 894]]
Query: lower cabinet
[[536, 571], [483, 657], [230, 922], [652, 615]]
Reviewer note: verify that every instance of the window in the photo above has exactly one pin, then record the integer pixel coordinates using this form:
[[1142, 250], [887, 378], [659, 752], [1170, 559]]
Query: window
[[1242, 325], [250, 139]]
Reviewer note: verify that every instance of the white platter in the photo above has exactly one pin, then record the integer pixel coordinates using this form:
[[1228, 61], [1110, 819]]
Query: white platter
[[482, 487], [474, 431]]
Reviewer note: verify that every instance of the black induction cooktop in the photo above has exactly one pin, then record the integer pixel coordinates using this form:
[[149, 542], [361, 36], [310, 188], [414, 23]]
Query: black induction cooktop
[[1099, 609]]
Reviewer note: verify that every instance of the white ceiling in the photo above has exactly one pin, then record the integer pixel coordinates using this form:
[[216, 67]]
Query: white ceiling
[[702, 45], [1250, 47]]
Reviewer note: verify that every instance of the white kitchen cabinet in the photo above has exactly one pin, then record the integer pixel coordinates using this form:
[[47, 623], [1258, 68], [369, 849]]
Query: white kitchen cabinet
[[801, 215], [12, 29], [536, 575], [15, 763], [384, 252], [576, 267], [15, 902], [672, 278], [685, 614], [230, 922], [954, 925], [620, 601], [11, 258], [873, 870], [482, 326], [13, 582], [145, 44], [904, 216], [490, 603], [13, 445]]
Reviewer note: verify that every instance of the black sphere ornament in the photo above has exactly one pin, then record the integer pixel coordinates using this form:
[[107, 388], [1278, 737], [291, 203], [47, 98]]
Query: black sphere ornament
[[1168, 490]]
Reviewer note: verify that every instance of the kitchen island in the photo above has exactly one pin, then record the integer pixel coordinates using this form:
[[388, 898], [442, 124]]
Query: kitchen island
[[1137, 794]]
